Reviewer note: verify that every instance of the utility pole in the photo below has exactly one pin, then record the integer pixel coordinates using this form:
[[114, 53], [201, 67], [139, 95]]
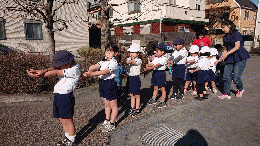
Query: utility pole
[[105, 24]]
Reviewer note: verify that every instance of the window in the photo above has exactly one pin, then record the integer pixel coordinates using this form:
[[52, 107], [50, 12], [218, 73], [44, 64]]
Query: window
[[134, 6], [88, 5], [197, 7], [33, 29], [244, 32], [2, 29], [186, 12], [111, 12], [254, 17], [183, 29], [246, 15]]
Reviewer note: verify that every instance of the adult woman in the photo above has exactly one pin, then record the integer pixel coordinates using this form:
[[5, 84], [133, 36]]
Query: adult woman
[[235, 57]]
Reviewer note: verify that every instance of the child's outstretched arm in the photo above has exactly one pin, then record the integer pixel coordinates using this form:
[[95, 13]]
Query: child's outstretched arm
[[45, 73], [195, 70], [96, 73], [94, 67], [151, 66]]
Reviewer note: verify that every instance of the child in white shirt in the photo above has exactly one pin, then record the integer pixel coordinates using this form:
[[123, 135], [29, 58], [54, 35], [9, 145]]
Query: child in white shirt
[[159, 77], [192, 62], [134, 83]]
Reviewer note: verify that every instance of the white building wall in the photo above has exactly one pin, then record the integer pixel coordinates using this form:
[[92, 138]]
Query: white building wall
[[155, 9], [72, 38]]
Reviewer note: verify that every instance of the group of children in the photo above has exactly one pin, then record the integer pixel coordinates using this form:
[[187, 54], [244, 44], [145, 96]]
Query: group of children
[[200, 70]]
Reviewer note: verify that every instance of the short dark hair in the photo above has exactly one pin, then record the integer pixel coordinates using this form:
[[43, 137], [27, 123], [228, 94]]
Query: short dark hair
[[231, 23], [202, 32], [112, 47]]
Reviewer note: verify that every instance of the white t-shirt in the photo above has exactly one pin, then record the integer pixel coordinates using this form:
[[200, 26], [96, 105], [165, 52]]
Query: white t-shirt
[[134, 70], [113, 67], [193, 65], [68, 82], [204, 63], [162, 60], [183, 53], [212, 65]]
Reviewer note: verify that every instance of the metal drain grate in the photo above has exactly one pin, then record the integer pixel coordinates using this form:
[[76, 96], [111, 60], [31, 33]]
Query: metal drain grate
[[162, 136]]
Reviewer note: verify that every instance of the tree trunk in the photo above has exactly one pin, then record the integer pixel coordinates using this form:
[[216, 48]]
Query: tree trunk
[[49, 25], [105, 24], [51, 42]]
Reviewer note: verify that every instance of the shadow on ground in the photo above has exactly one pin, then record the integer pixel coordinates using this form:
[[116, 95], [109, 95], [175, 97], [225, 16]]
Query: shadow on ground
[[192, 138]]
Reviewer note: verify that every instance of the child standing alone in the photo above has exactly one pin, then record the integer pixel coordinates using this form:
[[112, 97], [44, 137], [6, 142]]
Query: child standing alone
[[69, 73], [159, 77], [134, 83], [107, 71], [192, 62]]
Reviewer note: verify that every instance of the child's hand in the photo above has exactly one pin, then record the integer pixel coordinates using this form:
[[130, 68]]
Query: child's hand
[[87, 74], [169, 62], [146, 69], [191, 71], [33, 73], [216, 62], [128, 61]]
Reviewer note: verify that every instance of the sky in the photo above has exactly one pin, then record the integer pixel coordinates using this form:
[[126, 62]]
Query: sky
[[255, 2]]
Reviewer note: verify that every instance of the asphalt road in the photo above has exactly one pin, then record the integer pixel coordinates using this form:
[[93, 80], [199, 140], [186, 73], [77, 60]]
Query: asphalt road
[[27, 119]]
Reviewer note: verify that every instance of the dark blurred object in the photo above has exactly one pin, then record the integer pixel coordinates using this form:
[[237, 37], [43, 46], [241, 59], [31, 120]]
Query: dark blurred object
[[150, 48]]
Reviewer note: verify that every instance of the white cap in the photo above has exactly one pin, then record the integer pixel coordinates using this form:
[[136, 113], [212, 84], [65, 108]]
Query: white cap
[[134, 48], [205, 49], [194, 49], [213, 51]]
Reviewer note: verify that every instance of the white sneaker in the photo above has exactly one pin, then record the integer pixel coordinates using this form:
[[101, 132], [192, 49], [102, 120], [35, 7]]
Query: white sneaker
[[223, 96], [109, 127], [194, 93], [103, 124], [214, 90]]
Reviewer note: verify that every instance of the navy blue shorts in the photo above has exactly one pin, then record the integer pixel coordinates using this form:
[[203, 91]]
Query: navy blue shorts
[[203, 76], [191, 76], [178, 71], [134, 84], [63, 105], [108, 89], [158, 78], [211, 75]]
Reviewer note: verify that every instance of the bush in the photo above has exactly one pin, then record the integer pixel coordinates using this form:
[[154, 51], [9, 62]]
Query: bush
[[255, 51], [14, 78], [90, 56]]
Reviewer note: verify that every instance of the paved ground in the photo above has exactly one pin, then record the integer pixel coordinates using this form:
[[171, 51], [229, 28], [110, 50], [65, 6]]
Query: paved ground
[[27, 119]]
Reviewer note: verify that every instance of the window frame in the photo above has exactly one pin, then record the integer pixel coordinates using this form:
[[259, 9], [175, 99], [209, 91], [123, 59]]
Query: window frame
[[2, 22], [197, 7], [31, 21], [137, 4], [246, 15], [184, 28]]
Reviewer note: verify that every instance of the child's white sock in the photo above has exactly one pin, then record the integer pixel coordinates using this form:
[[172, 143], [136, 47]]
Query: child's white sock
[[72, 138]]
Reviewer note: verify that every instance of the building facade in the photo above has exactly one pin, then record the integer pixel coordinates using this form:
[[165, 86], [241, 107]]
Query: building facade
[[29, 34], [241, 12], [134, 17]]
